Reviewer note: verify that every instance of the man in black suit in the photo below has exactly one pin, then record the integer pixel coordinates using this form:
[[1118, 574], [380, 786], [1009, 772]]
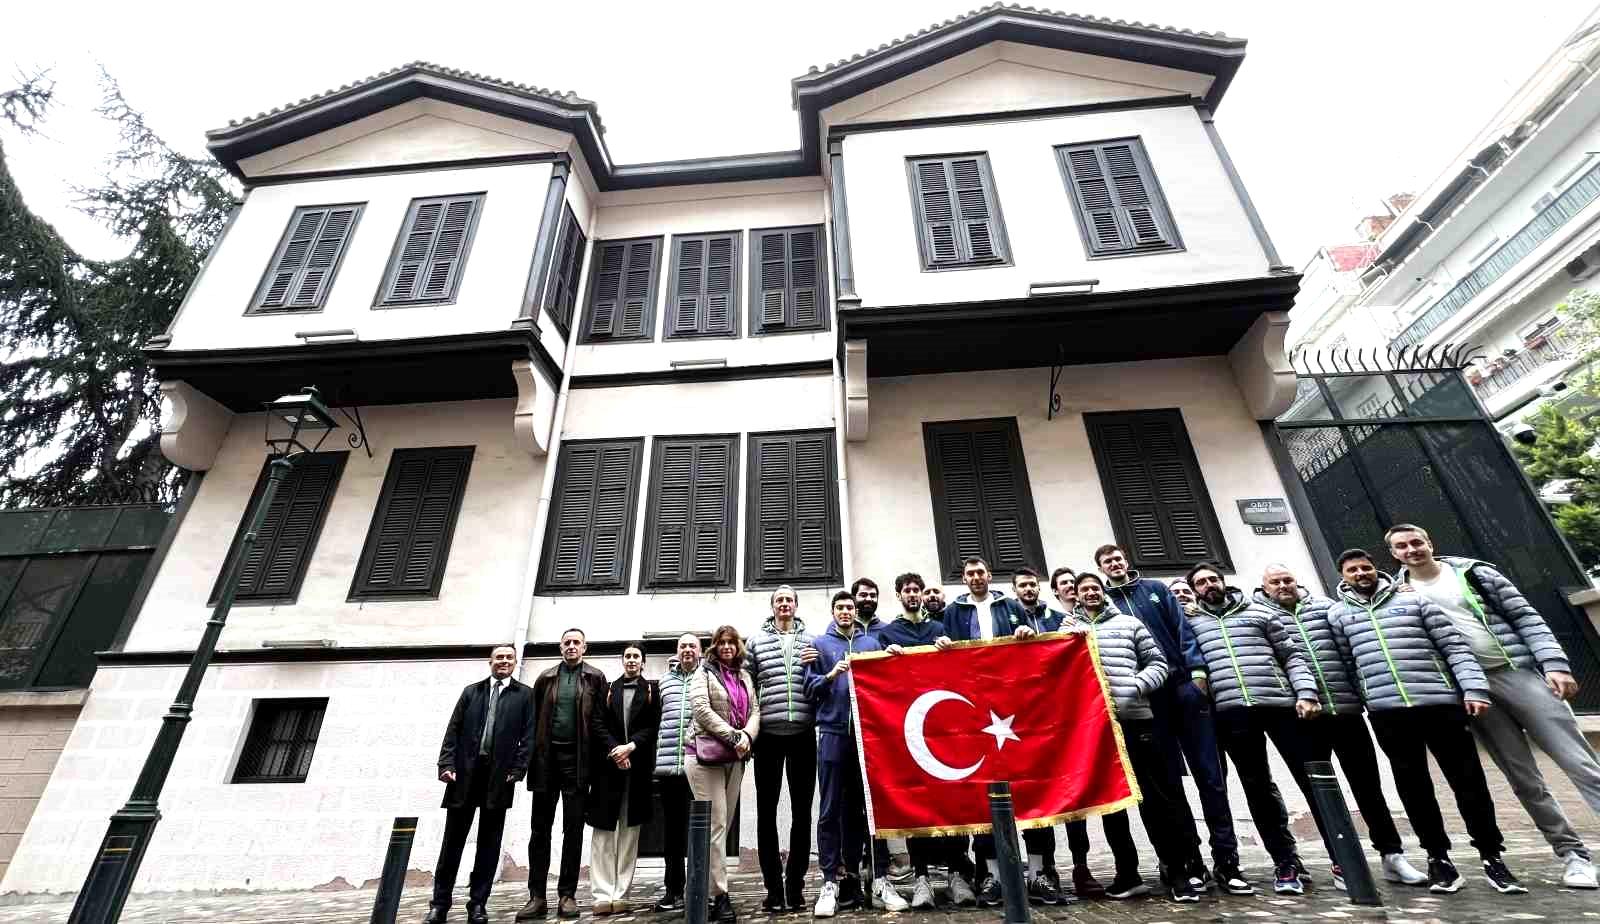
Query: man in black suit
[[485, 752]]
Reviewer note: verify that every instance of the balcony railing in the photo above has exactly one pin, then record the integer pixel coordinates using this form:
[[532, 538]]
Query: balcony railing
[[1519, 245], [1557, 347]]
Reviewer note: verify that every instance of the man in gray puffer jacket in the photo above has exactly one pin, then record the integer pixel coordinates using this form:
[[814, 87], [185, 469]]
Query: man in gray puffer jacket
[[788, 737], [1259, 687], [1529, 681], [674, 750], [1409, 662]]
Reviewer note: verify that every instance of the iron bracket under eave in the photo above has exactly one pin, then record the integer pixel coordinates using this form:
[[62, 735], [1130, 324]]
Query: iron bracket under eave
[[1053, 401]]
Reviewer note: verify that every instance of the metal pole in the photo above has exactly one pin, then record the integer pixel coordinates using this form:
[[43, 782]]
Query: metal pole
[[387, 904], [1328, 801], [696, 892], [106, 888], [1007, 853]]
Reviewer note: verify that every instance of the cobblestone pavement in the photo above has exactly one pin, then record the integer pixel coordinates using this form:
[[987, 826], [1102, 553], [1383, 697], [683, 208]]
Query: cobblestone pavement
[[1526, 853]]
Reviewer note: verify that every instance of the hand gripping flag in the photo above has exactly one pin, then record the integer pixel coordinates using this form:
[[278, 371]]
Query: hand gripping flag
[[937, 727]]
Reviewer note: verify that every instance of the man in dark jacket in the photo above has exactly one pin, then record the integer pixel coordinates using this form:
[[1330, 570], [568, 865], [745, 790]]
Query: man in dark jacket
[[1183, 707], [569, 702], [619, 795], [982, 612], [484, 753], [1044, 883], [933, 601]]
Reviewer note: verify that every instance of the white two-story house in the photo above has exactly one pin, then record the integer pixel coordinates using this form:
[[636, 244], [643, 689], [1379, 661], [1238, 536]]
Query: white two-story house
[[1008, 297]]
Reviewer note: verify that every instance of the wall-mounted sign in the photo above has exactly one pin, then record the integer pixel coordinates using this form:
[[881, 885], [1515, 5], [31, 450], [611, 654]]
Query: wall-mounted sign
[[1267, 516]]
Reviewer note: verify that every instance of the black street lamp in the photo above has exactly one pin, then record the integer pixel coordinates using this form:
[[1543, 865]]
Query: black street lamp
[[127, 837]]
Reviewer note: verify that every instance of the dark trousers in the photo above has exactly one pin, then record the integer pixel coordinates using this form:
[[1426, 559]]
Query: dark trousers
[[1243, 734], [1346, 735], [561, 783], [1036, 842], [842, 821], [1118, 837], [485, 859], [1407, 735], [947, 850], [1163, 792], [1183, 715], [798, 755], [675, 799]]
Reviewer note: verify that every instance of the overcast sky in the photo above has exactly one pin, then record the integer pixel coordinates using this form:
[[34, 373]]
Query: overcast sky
[[1336, 105]]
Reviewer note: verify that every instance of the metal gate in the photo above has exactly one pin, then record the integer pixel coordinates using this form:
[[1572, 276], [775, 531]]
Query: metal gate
[[1370, 447]]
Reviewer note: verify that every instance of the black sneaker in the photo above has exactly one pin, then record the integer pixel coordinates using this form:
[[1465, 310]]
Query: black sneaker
[[774, 903], [1442, 875], [668, 903], [1287, 880], [1182, 891], [1200, 878], [1127, 885], [850, 894], [1232, 881], [1042, 889], [1305, 874], [1084, 885], [989, 893], [1506, 884]]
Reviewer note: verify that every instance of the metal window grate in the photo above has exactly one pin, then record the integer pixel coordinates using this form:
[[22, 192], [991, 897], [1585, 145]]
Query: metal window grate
[[282, 738]]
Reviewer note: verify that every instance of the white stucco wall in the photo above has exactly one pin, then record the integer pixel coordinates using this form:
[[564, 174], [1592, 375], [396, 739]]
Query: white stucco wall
[[1037, 208], [891, 504], [478, 598]]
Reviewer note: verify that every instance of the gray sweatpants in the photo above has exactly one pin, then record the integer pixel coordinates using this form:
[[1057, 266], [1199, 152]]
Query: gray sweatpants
[[1525, 709]]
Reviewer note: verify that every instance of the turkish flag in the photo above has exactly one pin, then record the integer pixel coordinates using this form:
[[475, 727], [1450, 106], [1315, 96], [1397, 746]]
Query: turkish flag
[[937, 727]]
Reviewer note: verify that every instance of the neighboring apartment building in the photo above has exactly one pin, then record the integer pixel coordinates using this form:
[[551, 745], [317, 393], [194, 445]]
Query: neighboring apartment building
[[1485, 254], [635, 398]]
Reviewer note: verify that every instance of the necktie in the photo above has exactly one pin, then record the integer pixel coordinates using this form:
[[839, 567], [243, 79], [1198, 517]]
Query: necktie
[[487, 741]]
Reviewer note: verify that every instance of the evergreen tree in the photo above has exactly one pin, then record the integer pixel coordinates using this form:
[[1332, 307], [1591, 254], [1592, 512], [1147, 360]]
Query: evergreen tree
[[79, 407], [1563, 453]]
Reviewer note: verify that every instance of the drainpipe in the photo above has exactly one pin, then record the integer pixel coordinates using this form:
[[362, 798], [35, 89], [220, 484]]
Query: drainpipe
[[846, 556]]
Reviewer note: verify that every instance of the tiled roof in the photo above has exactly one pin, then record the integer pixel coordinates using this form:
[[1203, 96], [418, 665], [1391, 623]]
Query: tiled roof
[[1347, 257], [562, 97], [1098, 21]]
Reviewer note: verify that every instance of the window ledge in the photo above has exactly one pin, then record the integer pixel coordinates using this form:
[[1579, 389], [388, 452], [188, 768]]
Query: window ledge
[[42, 698]]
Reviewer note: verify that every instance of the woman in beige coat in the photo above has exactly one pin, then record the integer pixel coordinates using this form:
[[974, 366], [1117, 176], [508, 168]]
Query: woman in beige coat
[[726, 719]]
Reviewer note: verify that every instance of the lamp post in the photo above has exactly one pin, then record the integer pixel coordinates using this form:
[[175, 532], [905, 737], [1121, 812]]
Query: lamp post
[[116, 864]]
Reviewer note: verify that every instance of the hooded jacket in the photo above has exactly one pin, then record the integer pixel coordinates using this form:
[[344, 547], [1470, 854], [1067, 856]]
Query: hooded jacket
[[961, 617], [1159, 610], [1131, 660], [1043, 617], [675, 740], [774, 661], [905, 633], [1307, 625], [1249, 656], [832, 697], [1521, 634], [1403, 650]]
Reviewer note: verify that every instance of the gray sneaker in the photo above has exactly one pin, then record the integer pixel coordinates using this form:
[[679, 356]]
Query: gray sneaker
[[961, 891], [922, 894]]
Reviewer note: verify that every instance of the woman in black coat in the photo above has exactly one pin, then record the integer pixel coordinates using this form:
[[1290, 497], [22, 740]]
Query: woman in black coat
[[619, 794]]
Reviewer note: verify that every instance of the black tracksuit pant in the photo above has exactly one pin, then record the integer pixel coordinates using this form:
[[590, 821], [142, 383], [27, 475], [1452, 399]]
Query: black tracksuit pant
[[1407, 735], [1345, 734], [675, 799], [775, 754], [1164, 808], [1243, 734], [561, 783], [1118, 837]]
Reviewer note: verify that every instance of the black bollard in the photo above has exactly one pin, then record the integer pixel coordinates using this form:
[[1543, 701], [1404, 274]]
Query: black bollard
[[1007, 853], [697, 890], [387, 904], [1346, 844]]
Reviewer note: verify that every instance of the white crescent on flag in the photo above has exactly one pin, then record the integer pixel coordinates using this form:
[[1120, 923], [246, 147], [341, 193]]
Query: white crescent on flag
[[917, 743]]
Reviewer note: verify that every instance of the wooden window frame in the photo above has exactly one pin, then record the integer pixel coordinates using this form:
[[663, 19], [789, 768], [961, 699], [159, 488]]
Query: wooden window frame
[[991, 190], [647, 331], [1093, 423], [1158, 201], [950, 557], [315, 535], [668, 329], [257, 729], [382, 299], [730, 517], [256, 308], [374, 530], [753, 579], [544, 586], [566, 276], [757, 324]]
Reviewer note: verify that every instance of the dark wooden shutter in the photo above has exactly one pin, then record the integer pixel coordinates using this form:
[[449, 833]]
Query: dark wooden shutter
[[792, 534], [302, 271], [409, 540], [432, 250], [623, 290], [277, 564], [561, 296], [786, 286], [982, 504], [957, 211], [1156, 495], [704, 300], [689, 529], [1119, 205], [589, 542]]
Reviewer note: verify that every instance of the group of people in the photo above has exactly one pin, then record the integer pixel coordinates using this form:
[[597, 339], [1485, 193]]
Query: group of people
[[1440, 657]]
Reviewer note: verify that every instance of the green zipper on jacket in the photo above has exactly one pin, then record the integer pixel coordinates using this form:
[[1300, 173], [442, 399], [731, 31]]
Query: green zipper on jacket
[[1316, 662], [1383, 643], [1442, 675], [1227, 641], [788, 674], [683, 706], [1477, 607]]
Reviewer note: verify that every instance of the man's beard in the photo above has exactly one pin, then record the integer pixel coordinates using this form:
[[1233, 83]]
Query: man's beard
[[867, 609], [1214, 597]]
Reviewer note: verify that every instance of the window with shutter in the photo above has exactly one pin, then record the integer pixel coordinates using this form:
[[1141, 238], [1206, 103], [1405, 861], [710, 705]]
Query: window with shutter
[[409, 540], [282, 738], [704, 287], [1120, 209], [561, 295], [787, 287], [689, 527], [431, 253], [982, 505], [958, 213], [792, 528], [622, 290], [273, 570], [588, 544], [1160, 509], [302, 269]]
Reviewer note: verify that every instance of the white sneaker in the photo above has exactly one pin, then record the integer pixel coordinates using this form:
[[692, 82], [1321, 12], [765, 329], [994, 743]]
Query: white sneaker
[[1579, 874], [827, 901], [885, 897], [1396, 868], [961, 891], [922, 894]]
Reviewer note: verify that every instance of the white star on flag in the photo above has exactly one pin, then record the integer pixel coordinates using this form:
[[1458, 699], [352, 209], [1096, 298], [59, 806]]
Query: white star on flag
[[1001, 729]]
